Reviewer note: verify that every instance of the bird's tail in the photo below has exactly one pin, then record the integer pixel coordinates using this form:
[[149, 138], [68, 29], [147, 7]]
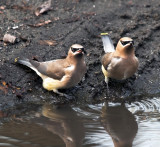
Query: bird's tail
[[107, 43], [25, 62]]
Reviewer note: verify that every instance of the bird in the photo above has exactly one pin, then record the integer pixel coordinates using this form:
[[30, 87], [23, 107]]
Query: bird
[[119, 123], [60, 73], [120, 63]]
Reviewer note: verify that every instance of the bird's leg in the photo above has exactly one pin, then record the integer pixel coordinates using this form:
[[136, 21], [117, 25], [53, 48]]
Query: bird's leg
[[107, 80], [106, 77], [60, 93]]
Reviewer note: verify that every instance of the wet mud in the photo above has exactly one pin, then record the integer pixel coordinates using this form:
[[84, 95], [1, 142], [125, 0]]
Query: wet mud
[[78, 21]]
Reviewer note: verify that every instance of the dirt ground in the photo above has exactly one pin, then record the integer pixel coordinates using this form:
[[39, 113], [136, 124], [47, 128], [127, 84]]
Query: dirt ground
[[78, 21]]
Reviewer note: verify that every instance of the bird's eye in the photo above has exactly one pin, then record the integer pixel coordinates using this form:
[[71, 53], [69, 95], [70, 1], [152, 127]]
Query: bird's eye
[[74, 49], [126, 42]]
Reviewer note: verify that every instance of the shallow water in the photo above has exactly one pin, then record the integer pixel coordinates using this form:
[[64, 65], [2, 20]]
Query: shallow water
[[101, 125]]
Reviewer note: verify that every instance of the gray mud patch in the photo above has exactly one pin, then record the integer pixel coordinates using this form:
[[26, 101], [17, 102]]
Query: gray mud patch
[[80, 22]]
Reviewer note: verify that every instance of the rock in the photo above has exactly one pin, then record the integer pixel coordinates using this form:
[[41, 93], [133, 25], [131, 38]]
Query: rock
[[9, 38]]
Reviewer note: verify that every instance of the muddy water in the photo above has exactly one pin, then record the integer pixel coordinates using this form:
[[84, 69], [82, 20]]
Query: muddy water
[[101, 125]]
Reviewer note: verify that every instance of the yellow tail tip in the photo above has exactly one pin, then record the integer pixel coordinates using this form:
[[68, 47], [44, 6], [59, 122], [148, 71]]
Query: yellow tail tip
[[103, 34], [16, 59]]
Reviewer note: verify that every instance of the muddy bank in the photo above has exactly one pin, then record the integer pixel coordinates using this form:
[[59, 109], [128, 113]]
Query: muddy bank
[[78, 22]]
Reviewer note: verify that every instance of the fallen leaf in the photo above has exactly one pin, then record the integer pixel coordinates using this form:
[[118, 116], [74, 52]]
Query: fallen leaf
[[41, 23], [4, 83], [47, 42], [46, 6], [22, 8], [2, 114], [9, 38], [4, 89]]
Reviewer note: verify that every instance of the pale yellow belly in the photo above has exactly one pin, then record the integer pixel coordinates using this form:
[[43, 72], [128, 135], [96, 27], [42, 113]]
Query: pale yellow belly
[[51, 84], [104, 71]]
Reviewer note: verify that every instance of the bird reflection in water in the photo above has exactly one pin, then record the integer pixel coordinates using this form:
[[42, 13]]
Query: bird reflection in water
[[120, 124], [64, 122]]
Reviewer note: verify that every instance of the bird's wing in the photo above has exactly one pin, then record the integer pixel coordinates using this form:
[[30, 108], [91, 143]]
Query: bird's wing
[[54, 69], [107, 43], [106, 60]]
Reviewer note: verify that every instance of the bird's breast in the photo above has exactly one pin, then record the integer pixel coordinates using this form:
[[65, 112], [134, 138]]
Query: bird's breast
[[120, 68], [75, 73]]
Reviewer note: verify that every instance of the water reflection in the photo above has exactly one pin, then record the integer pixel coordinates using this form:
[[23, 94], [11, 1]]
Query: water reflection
[[120, 124], [98, 125], [27, 134], [64, 122]]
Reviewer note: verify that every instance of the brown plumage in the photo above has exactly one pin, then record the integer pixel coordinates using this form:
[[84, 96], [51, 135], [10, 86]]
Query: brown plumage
[[121, 63], [60, 73]]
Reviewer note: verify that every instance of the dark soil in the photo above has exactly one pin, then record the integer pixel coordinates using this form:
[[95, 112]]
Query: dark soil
[[78, 21]]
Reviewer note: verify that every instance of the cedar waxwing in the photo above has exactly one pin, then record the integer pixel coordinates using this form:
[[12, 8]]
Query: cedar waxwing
[[60, 73], [120, 124], [64, 122], [121, 63]]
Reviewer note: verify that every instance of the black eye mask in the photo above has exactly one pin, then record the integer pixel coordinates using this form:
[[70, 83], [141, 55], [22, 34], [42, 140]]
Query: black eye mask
[[126, 42], [76, 49]]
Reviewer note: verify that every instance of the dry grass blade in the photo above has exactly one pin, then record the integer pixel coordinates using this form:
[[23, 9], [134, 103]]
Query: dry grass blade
[[48, 42], [40, 24], [4, 87]]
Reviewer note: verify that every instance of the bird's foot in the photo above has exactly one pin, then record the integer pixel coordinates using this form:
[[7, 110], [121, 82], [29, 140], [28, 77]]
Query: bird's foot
[[61, 94]]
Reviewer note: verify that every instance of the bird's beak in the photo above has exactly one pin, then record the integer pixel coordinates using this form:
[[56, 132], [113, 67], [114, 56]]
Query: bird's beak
[[132, 43], [81, 50]]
